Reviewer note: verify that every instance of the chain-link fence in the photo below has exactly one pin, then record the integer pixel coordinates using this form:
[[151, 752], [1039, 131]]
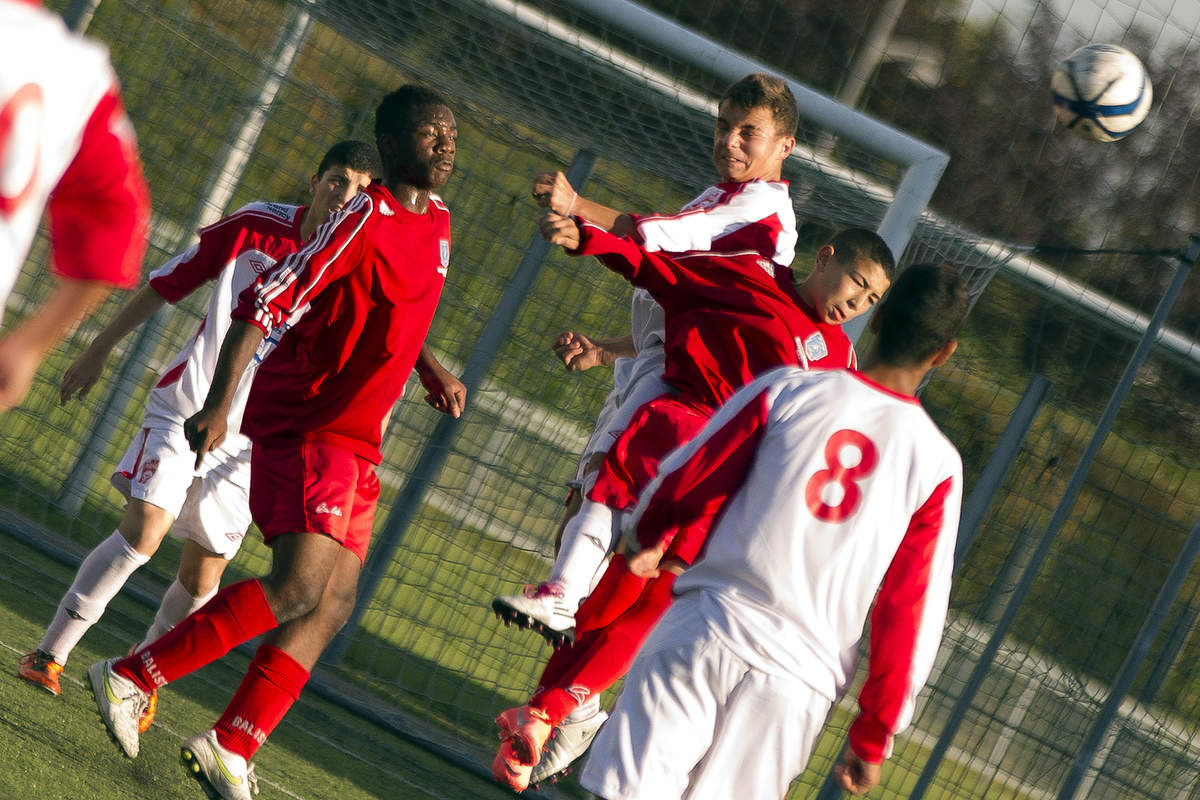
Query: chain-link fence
[[1061, 566]]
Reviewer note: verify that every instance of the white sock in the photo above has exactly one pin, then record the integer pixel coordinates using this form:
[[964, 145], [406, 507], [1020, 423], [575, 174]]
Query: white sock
[[177, 604], [586, 542], [100, 577]]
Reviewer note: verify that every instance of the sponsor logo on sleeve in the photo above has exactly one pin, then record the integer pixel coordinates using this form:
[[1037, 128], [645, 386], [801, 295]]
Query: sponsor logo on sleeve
[[444, 256], [766, 266], [280, 210]]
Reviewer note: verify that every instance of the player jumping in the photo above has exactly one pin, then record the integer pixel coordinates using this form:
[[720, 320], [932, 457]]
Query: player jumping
[[732, 312], [825, 491]]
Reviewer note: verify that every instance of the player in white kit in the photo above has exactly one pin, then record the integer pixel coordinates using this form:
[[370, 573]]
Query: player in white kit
[[822, 489], [207, 506], [64, 130]]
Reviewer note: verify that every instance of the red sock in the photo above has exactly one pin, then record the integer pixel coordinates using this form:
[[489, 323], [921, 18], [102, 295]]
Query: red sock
[[237, 613], [271, 685], [617, 590], [606, 654]]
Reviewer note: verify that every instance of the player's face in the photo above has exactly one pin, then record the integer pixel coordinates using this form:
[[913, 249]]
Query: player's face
[[746, 146], [841, 290], [334, 187], [425, 156]]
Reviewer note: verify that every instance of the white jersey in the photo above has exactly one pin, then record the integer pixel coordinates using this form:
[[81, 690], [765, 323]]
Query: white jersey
[[830, 487], [59, 101], [234, 252]]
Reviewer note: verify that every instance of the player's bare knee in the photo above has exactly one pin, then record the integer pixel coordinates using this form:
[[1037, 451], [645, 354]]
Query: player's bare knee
[[290, 598]]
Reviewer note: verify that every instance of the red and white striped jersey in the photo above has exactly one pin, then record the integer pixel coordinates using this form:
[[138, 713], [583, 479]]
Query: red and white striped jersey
[[234, 253], [63, 130], [728, 217], [371, 276], [730, 316], [824, 488]]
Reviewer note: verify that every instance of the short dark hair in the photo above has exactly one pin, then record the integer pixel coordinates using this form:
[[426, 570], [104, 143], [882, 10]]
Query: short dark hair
[[397, 112], [352, 154], [760, 90], [920, 313], [854, 244]]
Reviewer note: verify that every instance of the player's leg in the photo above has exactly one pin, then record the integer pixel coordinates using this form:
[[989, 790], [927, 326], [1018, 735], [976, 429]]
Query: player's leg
[[219, 758], [154, 475], [763, 740], [664, 719]]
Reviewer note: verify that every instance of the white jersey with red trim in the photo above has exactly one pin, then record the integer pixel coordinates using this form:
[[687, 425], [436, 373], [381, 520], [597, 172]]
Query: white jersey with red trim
[[723, 218], [234, 253], [825, 487], [62, 125]]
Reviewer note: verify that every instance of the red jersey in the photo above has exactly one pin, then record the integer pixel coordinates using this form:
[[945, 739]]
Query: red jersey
[[370, 278], [825, 492], [233, 253], [730, 315]]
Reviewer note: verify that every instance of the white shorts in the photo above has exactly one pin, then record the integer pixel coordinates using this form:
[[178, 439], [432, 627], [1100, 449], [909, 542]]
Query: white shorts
[[211, 505], [635, 382], [695, 721]]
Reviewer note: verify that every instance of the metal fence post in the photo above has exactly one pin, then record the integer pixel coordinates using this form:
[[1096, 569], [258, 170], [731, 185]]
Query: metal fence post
[[223, 184], [437, 447], [1061, 512]]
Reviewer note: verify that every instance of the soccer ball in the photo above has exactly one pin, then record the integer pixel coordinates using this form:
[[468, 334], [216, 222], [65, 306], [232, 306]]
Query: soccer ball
[[1101, 92]]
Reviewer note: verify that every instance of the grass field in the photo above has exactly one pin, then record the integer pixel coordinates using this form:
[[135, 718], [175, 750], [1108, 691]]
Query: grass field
[[58, 747]]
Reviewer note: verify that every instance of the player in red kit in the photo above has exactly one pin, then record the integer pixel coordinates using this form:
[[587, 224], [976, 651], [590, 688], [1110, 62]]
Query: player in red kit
[[370, 279], [831, 496], [207, 507], [66, 146], [732, 313]]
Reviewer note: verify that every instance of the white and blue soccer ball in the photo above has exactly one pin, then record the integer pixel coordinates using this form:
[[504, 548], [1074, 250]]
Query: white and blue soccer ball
[[1101, 92]]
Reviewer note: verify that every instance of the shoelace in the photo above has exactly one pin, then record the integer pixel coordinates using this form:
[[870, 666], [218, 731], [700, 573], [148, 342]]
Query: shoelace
[[252, 779]]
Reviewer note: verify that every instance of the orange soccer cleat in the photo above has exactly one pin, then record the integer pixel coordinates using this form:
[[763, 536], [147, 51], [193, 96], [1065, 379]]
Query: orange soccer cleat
[[528, 728], [147, 717], [41, 669], [509, 769]]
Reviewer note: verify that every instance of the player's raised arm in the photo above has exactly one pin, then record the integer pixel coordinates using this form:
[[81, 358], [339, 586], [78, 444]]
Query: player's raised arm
[[552, 190], [85, 370], [446, 393]]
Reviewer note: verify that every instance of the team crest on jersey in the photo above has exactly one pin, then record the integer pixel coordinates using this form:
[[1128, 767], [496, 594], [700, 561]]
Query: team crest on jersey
[[814, 347], [444, 255], [148, 469], [709, 198]]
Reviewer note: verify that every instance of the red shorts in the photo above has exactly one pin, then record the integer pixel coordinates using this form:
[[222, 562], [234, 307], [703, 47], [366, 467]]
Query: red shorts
[[657, 428], [314, 487]]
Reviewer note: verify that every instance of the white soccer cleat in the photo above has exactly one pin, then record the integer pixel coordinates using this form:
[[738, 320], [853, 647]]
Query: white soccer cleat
[[569, 742], [120, 703], [541, 608], [223, 775]]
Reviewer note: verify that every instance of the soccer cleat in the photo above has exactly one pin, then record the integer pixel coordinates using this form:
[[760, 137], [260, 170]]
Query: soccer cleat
[[147, 717], [508, 769], [222, 774], [527, 728], [41, 669], [570, 741], [120, 703], [540, 608]]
